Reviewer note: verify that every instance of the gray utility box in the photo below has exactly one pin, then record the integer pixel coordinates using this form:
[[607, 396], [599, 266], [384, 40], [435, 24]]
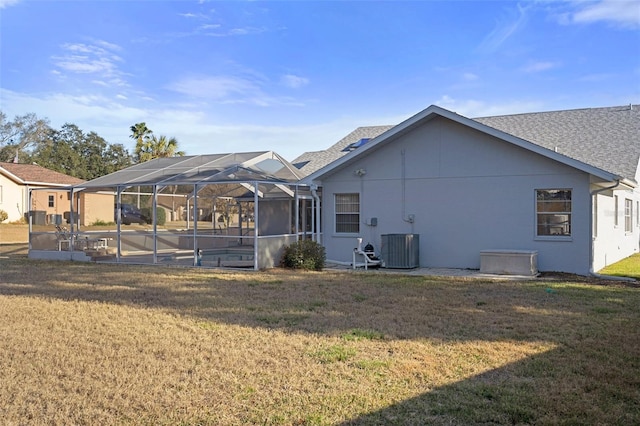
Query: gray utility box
[[509, 262], [400, 251]]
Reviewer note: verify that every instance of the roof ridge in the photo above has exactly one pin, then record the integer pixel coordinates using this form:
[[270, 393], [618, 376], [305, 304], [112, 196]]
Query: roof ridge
[[628, 107]]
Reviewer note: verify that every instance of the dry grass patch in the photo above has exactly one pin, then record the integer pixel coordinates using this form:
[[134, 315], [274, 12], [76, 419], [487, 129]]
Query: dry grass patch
[[12, 233], [115, 344]]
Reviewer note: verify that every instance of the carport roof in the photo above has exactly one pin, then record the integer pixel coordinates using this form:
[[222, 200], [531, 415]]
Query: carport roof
[[201, 169]]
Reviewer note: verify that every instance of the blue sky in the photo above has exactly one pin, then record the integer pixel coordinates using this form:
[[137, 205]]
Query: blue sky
[[295, 76]]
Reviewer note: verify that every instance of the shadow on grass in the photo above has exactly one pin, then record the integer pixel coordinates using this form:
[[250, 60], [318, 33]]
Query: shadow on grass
[[595, 365], [397, 307], [14, 250], [536, 390]]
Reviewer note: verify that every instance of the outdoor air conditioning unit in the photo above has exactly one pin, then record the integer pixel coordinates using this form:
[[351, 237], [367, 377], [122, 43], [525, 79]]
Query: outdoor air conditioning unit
[[401, 251]]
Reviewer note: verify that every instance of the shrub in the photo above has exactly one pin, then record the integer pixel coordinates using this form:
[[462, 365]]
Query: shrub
[[3, 216], [304, 254], [101, 222], [161, 215]]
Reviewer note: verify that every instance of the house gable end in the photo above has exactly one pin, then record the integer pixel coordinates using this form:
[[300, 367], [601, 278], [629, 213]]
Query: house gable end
[[431, 113]]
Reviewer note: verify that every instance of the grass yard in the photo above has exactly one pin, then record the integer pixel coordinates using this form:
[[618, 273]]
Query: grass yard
[[85, 343], [629, 267], [10, 233]]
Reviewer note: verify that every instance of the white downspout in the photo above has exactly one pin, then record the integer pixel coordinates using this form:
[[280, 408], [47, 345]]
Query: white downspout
[[591, 223], [256, 225], [154, 206], [195, 247], [29, 215], [119, 223], [316, 199]]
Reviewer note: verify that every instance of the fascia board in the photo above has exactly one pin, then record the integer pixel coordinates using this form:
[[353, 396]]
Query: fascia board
[[46, 185]]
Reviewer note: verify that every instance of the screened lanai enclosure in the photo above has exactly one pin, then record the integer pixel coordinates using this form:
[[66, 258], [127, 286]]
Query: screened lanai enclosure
[[224, 210]]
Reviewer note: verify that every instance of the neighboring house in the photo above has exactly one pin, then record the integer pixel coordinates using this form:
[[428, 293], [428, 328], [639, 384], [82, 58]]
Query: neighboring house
[[563, 184], [17, 179], [49, 202]]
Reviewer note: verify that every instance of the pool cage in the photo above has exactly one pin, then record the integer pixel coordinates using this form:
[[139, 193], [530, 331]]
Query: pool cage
[[227, 210]]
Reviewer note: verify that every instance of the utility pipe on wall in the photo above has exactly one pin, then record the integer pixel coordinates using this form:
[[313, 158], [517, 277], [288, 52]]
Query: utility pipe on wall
[[403, 182], [316, 198]]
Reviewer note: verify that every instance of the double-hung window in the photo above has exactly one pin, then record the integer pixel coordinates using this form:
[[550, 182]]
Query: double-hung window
[[628, 215], [347, 213], [553, 212]]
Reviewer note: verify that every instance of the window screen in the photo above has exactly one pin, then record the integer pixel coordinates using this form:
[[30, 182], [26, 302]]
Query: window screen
[[347, 213], [553, 212]]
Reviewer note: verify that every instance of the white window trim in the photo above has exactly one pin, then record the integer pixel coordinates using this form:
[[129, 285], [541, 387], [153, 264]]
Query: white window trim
[[628, 216], [335, 215], [562, 237]]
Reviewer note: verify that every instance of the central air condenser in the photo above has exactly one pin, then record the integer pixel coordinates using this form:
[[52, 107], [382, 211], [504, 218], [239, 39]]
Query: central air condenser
[[400, 251]]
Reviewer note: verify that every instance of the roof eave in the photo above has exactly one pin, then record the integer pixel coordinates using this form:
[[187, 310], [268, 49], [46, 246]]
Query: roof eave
[[11, 176]]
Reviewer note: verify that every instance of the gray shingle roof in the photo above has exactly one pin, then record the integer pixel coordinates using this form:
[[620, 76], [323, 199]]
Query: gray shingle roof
[[607, 138], [311, 161]]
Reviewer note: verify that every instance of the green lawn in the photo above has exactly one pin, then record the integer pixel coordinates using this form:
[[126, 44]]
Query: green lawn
[[629, 267]]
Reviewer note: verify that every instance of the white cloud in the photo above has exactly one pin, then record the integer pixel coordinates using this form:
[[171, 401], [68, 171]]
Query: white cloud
[[105, 116], [474, 108], [505, 28], [6, 3], [539, 67], [83, 64], [111, 118], [622, 13], [294, 81], [108, 46], [249, 88], [97, 58], [245, 31], [469, 76], [215, 87], [594, 78], [208, 27]]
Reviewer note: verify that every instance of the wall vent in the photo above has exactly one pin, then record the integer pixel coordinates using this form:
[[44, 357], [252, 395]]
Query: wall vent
[[401, 251]]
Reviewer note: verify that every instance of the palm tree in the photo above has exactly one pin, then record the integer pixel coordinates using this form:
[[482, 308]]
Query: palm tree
[[158, 147], [142, 135]]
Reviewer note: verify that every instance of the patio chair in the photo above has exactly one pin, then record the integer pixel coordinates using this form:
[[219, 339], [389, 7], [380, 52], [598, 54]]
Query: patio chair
[[63, 236]]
